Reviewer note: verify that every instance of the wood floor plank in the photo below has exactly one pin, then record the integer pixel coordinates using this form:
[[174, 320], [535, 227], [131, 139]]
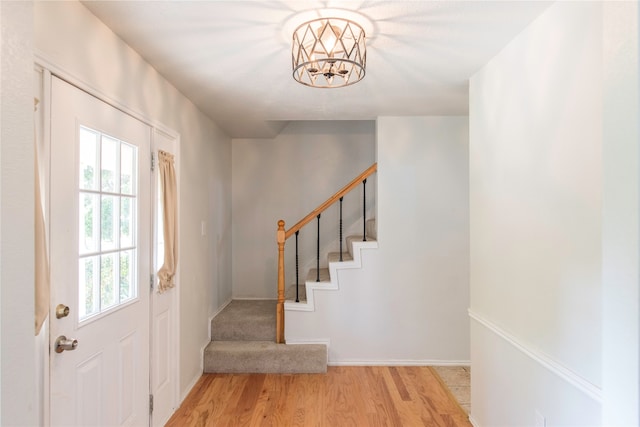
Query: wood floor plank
[[222, 404], [402, 389], [313, 395], [276, 412], [408, 404], [248, 399], [385, 407], [422, 390], [344, 396]]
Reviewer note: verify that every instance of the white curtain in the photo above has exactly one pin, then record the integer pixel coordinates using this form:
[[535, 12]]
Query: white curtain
[[168, 185], [41, 255]]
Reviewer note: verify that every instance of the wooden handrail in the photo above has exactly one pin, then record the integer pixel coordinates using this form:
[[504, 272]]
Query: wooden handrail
[[331, 200], [282, 236]]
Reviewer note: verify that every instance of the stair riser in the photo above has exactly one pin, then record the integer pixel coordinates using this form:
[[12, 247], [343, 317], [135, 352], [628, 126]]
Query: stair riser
[[255, 332], [232, 357]]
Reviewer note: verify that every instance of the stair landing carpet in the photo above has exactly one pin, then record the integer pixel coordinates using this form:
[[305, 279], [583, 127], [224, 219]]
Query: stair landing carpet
[[243, 341]]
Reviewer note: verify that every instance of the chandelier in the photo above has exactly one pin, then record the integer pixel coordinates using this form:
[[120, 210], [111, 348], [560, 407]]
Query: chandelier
[[329, 52]]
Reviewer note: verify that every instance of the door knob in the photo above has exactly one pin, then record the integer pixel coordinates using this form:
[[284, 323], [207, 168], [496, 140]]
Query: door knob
[[62, 311], [63, 343]]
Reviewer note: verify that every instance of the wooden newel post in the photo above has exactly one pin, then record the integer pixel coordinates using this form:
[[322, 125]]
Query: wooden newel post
[[280, 237]]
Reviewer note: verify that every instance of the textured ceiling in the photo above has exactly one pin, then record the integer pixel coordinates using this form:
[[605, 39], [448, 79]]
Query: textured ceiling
[[233, 58]]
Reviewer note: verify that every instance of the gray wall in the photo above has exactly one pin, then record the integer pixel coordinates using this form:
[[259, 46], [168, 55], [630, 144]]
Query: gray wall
[[286, 178], [408, 303]]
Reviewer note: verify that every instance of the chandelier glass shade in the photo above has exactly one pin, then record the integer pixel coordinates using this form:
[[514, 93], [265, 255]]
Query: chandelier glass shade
[[329, 52]]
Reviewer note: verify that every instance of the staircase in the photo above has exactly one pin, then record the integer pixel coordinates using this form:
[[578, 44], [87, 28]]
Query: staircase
[[329, 276], [243, 341], [248, 335]]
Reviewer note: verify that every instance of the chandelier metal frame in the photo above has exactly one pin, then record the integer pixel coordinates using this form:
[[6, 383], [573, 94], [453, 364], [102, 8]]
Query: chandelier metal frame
[[329, 53]]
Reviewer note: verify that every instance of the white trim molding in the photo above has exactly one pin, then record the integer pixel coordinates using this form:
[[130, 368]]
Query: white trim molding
[[194, 381], [564, 373], [399, 362], [191, 384], [222, 307], [43, 60], [326, 342], [473, 422]]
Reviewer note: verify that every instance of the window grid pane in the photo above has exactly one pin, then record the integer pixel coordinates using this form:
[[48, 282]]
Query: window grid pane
[[110, 174], [128, 163], [127, 222], [107, 223], [88, 287], [127, 274], [88, 159], [109, 265], [89, 224], [109, 216]]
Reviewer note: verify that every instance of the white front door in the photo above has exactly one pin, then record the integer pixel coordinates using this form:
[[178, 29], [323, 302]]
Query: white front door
[[100, 262]]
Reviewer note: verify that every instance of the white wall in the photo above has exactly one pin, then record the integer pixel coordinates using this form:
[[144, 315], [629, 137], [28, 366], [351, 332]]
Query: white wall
[[68, 36], [621, 215], [408, 304], [286, 178], [17, 350], [536, 220], [519, 387]]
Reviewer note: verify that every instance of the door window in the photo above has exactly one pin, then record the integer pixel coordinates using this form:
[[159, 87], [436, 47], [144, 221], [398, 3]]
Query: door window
[[107, 223]]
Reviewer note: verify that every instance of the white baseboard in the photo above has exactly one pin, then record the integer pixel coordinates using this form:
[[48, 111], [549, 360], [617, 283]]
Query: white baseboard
[[326, 342], [222, 307], [254, 299], [226, 303], [188, 389], [564, 373], [398, 362], [193, 382], [383, 362]]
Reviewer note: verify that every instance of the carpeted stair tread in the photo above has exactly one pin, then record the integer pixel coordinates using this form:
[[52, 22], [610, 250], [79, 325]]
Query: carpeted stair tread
[[335, 257], [264, 357], [290, 294], [324, 275], [245, 320]]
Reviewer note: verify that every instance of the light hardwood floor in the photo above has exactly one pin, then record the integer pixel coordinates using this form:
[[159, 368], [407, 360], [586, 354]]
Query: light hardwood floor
[[344, 396]]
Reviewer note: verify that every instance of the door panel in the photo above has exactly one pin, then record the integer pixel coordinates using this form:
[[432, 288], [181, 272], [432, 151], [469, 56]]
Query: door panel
[[100, 261], [164, 311]]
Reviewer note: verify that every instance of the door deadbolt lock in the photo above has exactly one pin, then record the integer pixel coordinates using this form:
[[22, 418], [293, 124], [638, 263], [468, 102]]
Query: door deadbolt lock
[[63, 343], [62, 311]]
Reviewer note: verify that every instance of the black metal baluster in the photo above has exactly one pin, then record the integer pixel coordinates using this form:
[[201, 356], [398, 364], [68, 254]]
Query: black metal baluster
[[297, 282], [364, 210], [318, 252], [341, 228]]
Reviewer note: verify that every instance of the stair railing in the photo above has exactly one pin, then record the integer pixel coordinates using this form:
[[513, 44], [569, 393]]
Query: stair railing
[[282, 235]]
